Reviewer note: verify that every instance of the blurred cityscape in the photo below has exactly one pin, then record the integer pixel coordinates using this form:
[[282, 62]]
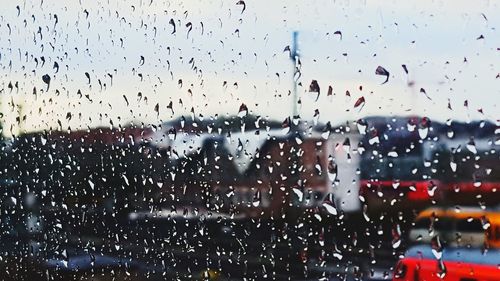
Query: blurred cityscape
[[245, 197]]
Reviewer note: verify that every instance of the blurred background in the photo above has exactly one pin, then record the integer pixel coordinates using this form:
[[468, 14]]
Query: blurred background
[[249, 140]]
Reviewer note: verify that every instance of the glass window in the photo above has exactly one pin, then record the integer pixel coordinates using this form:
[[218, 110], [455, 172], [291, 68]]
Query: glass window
[[243, 140]]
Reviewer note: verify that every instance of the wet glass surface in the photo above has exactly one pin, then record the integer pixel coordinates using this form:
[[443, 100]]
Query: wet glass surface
[[249, 140]]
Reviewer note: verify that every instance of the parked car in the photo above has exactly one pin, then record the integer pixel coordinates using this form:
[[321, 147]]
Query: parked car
[[467, 226], [423, 262]]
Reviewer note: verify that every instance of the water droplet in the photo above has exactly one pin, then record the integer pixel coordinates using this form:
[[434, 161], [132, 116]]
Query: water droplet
[[330, 208], [299, 193]]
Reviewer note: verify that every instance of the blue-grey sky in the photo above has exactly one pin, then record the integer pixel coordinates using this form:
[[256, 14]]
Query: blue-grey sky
[[436, 40]]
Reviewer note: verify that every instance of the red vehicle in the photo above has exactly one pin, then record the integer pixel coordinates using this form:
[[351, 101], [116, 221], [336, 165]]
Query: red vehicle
[[405, 181], [397, 170], [471, 173], [450, 264]]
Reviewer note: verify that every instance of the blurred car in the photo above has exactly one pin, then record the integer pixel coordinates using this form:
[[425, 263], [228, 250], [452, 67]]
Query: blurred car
[[395, 194], [465, 226], [469, 170], [393, 179], [423, 262]]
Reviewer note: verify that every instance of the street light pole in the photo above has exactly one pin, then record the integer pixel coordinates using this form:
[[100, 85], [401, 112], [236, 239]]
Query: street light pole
[[294, 56]]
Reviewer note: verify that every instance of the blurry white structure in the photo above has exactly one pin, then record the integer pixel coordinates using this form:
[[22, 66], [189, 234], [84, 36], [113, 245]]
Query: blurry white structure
[[343, 152]]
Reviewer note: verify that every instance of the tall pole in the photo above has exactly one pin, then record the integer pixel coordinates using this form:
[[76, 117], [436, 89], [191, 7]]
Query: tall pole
[[294, 176], [294, 56], [2, 123]]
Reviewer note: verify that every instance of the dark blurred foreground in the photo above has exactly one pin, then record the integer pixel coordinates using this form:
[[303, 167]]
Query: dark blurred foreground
[[319, 203]]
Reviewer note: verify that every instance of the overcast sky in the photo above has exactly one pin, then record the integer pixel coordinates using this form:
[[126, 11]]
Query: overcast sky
[[450, 48]]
